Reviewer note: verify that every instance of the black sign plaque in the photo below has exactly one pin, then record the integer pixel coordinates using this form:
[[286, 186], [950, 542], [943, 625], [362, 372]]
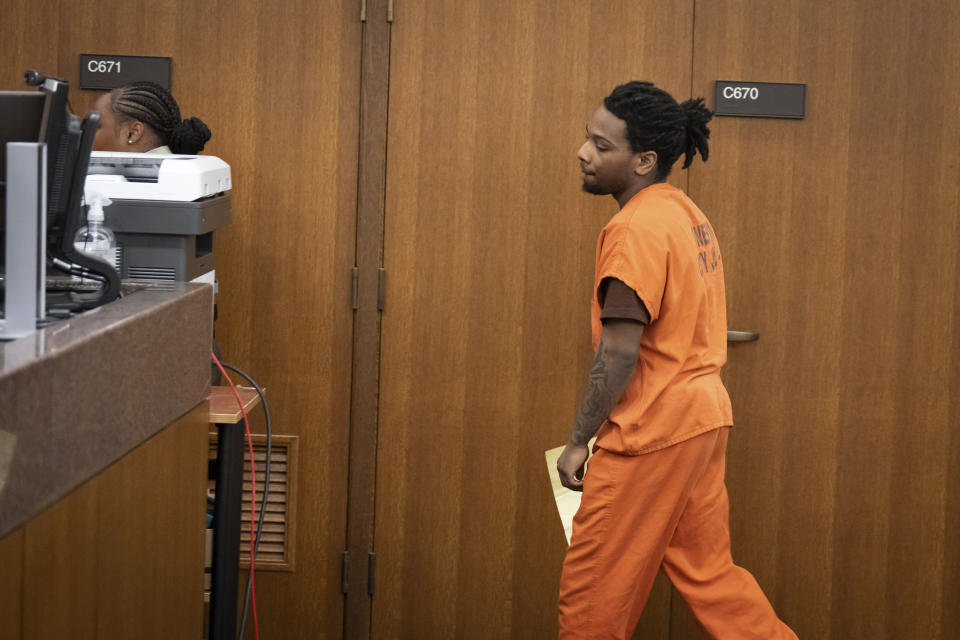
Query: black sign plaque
[[759, 99], [105, 71]]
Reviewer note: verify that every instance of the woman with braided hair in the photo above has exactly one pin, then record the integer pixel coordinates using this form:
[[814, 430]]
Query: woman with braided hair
[[143, 117], [654, 494]]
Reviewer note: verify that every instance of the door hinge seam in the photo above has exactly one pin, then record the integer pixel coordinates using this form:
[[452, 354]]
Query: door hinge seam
[[371, 571], [355, 289], [381, 288]]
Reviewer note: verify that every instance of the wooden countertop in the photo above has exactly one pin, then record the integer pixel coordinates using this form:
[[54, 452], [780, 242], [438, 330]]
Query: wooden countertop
[[223, 404]]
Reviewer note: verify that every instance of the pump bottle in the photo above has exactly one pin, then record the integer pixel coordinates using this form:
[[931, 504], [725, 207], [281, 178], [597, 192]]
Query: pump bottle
[[95, 239]]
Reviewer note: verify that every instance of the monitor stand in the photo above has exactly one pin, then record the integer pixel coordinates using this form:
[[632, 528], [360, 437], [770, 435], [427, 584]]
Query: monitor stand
[[24, 301]]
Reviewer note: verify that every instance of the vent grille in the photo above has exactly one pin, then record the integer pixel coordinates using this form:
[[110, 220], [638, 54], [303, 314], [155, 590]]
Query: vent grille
[[276, 542], [158, 274]]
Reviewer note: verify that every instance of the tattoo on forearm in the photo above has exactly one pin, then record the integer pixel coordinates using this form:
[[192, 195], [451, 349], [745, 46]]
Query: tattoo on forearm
[[608, 380]]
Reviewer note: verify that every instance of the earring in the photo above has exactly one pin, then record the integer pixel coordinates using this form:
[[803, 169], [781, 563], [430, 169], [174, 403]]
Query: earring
[[129, 141]]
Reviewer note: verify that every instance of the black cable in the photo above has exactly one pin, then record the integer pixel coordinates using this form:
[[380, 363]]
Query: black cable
[[76, 270], [266, 488], [84, 274]]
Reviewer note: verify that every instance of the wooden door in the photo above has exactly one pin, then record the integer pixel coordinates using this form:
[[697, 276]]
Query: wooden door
[[279, 86], [840, 240], [489, 249]]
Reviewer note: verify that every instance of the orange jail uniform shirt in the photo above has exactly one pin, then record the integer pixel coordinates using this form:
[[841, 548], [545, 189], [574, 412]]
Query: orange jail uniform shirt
[[662, 246]]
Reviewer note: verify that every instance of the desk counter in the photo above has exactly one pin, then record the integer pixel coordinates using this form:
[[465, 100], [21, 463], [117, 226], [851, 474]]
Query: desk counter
[[82, 393]]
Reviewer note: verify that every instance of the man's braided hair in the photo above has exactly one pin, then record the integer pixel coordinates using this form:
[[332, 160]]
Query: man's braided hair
[[153, 105], [655, 122]]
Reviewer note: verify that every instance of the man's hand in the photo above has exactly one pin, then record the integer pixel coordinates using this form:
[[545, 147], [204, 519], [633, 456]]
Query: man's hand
[[613, 366], [570, 465]]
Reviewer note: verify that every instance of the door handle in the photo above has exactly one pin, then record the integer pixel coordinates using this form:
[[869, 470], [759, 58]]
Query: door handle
[[742, 336]]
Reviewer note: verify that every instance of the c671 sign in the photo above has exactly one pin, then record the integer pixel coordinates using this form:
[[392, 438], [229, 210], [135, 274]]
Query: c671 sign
[[759, 99], [107, 71]]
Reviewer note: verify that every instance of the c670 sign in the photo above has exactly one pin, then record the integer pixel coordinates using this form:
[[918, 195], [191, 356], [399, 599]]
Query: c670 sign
[[759, 99], [741, 93]]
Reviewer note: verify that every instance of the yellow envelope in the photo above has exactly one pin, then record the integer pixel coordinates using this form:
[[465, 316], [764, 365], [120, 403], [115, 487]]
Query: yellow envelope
[[567, 501]]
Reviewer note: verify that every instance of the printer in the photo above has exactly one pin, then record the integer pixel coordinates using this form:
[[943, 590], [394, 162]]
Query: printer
[[164, 212]]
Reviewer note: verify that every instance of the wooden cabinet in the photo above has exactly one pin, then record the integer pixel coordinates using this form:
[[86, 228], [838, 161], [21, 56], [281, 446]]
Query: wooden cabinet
[[117, 555]]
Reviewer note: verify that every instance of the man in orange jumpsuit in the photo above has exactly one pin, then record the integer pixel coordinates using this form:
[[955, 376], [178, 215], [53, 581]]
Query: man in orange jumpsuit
[[654, 493]]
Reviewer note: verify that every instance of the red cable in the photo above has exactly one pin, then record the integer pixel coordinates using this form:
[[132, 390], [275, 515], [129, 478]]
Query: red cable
[[253, 490]]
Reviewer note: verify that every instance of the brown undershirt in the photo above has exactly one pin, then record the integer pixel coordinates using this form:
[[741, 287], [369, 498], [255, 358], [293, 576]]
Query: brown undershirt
[[620, 302]]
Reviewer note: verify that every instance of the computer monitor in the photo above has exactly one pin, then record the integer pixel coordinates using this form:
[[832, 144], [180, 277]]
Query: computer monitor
[[69, 143], [21, 113]]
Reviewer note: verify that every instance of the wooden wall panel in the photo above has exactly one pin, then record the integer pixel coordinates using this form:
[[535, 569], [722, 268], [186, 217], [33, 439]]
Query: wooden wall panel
[[28, 47], [139, 28], [917, 579], [286, 315], [489, 255], [839, 236], [279, 88]]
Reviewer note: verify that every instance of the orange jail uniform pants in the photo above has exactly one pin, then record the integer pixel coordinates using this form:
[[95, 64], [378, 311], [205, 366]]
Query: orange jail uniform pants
[[667, 507]]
